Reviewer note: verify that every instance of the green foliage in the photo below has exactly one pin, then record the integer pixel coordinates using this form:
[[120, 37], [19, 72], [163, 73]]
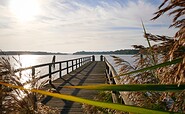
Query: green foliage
[[133, 87], [103, 96]]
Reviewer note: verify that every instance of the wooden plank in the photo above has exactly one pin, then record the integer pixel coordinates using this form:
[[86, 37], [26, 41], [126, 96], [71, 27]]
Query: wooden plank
[[90, 73]]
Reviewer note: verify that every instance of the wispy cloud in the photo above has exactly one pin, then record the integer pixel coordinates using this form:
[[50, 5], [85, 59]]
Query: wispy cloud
[[74, 25]]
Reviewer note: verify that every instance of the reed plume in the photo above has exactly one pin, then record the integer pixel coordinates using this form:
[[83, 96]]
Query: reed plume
[[166, 49], [20, 101]]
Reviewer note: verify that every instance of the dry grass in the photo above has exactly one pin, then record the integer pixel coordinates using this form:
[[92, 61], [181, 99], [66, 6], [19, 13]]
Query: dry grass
[[176, 73], [168, 48], [177, 47], [20, 101]]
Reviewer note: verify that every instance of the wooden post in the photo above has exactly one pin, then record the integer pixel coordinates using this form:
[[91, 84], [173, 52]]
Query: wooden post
[[67, 66], [60, 68], [93, 58], [72, 65], [80, 61], [76, 63], [101, 58], [50, 82], [33, 71]]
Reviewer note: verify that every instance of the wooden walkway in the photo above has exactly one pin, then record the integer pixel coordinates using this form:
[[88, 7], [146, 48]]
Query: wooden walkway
[[91, 73]]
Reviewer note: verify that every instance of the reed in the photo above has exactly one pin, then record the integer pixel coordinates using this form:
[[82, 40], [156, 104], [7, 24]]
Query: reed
[[20, 101], [167, 66]]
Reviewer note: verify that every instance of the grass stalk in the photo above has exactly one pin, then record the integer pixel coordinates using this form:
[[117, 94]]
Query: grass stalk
[[152, 67], [133, 87]]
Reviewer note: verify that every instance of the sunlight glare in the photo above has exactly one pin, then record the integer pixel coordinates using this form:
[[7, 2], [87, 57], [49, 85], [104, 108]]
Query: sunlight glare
[[26, 61], [24, 10]]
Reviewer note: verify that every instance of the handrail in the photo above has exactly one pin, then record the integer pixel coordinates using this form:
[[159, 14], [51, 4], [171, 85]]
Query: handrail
[[110, 73], [75, 63], [113, 79]]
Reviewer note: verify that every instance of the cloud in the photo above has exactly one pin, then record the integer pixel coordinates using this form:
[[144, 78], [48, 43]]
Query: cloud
[[76, 25], [4, 2]]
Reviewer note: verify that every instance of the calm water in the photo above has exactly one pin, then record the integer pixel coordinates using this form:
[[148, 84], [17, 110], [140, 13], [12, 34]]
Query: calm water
[[30, 60]]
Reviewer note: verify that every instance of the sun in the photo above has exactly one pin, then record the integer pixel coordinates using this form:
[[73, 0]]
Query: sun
[[24, 10]]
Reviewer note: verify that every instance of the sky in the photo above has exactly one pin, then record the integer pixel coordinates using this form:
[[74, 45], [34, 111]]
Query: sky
[[78, 25]]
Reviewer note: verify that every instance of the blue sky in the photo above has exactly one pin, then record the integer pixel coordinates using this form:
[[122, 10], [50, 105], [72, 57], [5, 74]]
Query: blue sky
[[76, 25]]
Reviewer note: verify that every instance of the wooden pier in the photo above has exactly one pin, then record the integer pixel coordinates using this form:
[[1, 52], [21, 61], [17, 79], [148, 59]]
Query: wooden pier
[[80, 71], [90, 73]]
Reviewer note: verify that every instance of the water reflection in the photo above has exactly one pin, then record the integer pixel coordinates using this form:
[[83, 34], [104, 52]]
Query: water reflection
[[26, 61]]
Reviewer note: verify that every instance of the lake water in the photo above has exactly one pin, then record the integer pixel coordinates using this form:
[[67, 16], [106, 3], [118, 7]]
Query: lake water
[[31, 60]]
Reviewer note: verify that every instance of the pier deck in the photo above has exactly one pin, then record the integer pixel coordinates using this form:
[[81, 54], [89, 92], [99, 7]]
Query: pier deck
[[90, 73]]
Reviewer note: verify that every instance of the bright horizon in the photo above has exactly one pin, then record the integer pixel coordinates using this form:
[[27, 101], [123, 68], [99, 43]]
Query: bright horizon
[[78, 25]]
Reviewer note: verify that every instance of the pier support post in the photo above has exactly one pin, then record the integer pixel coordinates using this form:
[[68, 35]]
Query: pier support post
[[93, 58], [67, 66], [101, 58], [60, 68], [50, 82], [76, 63], [72, 65]]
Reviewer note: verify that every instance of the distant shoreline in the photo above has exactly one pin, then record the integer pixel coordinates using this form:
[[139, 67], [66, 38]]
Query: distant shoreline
[[30, 53], [117, 52]]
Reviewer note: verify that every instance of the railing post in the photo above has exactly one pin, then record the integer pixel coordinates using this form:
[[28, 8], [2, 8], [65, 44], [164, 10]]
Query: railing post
[[93, 58], [60, 68], [50, 74], [33, 71], [67, 66], [79, 62], [76, 63], [101, 58], [72, 65]]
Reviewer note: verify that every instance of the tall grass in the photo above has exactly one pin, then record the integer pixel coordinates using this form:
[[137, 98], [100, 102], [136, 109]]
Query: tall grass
[[169, 50], [16, 100]]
